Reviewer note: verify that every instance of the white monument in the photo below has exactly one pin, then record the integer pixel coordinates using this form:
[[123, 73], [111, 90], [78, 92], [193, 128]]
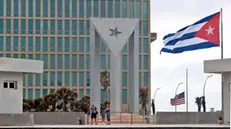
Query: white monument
[[222, 66], [115, 32], [11, 82]]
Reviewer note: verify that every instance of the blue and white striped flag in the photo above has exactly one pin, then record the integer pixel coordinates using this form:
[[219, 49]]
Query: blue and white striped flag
[[205, 33]]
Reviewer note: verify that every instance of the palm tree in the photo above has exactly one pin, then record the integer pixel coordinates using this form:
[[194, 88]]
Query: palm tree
[[144, 97], [105, 82], [198, 102]]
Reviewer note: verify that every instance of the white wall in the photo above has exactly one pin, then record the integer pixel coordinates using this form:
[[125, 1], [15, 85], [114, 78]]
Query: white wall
[[226, 97], [11, 99]]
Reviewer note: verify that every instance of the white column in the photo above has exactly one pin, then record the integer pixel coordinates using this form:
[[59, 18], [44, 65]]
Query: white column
[[133, 73], [95, 94], [115, 82], [226, 98]]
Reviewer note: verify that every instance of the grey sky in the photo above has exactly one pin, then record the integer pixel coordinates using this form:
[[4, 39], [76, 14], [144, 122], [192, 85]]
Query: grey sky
[[168, 70]]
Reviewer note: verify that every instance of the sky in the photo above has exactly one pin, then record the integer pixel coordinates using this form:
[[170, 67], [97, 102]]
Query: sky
[[167, 70]]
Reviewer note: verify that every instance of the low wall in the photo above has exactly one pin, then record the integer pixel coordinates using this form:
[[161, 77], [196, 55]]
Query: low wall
[[187, 117], [59, 118], [17, 119]]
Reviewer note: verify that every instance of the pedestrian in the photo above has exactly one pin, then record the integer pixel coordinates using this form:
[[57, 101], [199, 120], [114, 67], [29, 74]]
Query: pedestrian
[[108, 114], [93, 113], [102, 113]]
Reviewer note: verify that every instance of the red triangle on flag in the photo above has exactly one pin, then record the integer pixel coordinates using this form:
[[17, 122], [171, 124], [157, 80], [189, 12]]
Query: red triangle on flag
[[211, 30]]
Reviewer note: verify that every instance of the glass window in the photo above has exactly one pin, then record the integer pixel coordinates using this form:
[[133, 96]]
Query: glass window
[[1, 8], [88, 59], [45, 92], [23, 44], [52, 61], [124, 79], [8, 26], [102, 8], [30, 44], [88, 92], [67, 78], [15, 56], [145, 28], [131, 8], [30, 56], [24, 93], [67, 44], [145, 45], [60, 78], [1, 43], [81, 79], [88, 79], [124, 8], [8, 55], [81, 27], [52, 90], [59, 8], [102, 95], [102, 46], [67, 61], [66, 26], [88, 44], [74, 8], [30, 26], [109, 61], [146, 79], [140, 62], [52, 78], [1, 24], [8, 7], [74, 44], [74, 27], [15, 26], [15, 8], [117, 9], [96, 3], [140, 28], [37, 79], [124, 96], [30, 80], [45, 78], [74, 61], [52, 26], [23, 26], [45, 59], [87, 27], [81, 44], [88, 8], [23, 8], [81, 8], [37, 26], [138, 9], [37, 44], [145, 9], [60, 44], [45, 26], [81, 61], [145, 62], [67, 8], [140, 79], [74, 79], [52, 44], [8, 43], [59, 27], [81, 93], [30, 92], [30, 8], [37, 8], [45, 8], [45, 44], [37, 56], [15, 42], [110, 8], [52, 8], [60, 61], [140, 46], [124, 62], [103, 61]]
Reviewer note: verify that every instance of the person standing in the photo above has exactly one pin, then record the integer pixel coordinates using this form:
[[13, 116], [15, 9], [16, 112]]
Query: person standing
[[102, 113], [93, 113], [108, 114]]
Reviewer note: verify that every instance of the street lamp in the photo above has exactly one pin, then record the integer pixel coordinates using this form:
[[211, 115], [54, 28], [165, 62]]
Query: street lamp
[[153, 101], [156, 92], [176, 92], [209, 76]]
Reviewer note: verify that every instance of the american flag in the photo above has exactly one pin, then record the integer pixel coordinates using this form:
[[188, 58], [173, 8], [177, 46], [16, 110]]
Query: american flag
[[178, 99]]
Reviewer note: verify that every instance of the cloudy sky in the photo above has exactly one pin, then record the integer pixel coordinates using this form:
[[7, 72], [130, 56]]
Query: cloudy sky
[[168, 70]]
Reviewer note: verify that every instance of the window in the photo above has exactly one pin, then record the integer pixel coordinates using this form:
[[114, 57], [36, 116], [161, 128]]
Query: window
[[140, 79], [124, 79], [138, 9], [24, 93], [30, 80], [67, 8], [102, 8], [52, 8], [37, 56], [52, 90], [145, 9], [30, 94], [30, 56], [45, 8], [145, 28], [1, 24], [102, 46], [8, 43], [15, 55], [60, 44], [60, 78], [45, 59], [52, 61], [74, 27], [146, 79], [52, 78], [102, 95], [124, 8], [30, 8], [45, 26], [15, 26], [37, 93], [110, 8], [8, 26], [74, 61], [87, 27], [23, 26], [88, 79], [88, 8], [81, 8], [37, 44], [74, 44], [145, 45], [23, 44], [8, 55], [45, 44], [30, 26], [67, 61], [37, 25], [67, 78], [23, 8], [88, 61], [140, 62], [23, 56], [74, 79], [109, 61], [81, 44], [145, 62], [81, 93], [117, 8], [74, 8], [59, 26], [131, 8], [37, 79], [124, 62], [15, 39], [30, 44], [124, 96], [81, 27], [37, 7], [103, 61], [66, 27], [15, 8], [52, 26], [1, 8], [8, 7], [52, 44], [96, 3], [45, 78], [59, 8], [1, 43], [81, 62], [81, 79], [67, 44], [88, 92], [45, 92], [10, 84], [60, 61]]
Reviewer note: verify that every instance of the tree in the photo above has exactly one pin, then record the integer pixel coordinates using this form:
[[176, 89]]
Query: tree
[[144, 97], [105, 82], [198, 102]]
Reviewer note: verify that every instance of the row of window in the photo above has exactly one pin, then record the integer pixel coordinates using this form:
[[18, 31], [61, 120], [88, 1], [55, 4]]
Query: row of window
[[38, 93], [74, 79], [58, 27], [56, 44], [73, 8]]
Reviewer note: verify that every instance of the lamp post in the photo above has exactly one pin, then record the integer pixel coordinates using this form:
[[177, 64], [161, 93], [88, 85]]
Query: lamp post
[[153, 102], [156, 92], [203, 97], [176, 93]]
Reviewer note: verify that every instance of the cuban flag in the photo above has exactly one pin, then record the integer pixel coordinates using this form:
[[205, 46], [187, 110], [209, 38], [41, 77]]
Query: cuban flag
[[203, 34]]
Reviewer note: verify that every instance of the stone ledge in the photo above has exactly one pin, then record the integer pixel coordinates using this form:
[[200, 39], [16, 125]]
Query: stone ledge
[[16, 119]]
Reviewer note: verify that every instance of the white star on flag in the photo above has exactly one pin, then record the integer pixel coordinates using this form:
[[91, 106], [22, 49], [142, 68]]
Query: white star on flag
[[210, 30]]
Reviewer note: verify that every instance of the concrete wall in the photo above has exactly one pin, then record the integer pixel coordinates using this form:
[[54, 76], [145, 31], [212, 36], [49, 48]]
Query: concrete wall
[[187, 117], [16, 119], [11, 99]]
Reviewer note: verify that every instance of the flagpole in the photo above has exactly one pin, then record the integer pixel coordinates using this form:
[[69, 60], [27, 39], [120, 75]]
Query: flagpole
[[221, 33], [222, 57], [187, 90]]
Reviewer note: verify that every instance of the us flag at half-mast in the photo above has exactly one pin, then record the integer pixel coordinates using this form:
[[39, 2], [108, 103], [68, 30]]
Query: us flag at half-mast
[[178, 99]]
